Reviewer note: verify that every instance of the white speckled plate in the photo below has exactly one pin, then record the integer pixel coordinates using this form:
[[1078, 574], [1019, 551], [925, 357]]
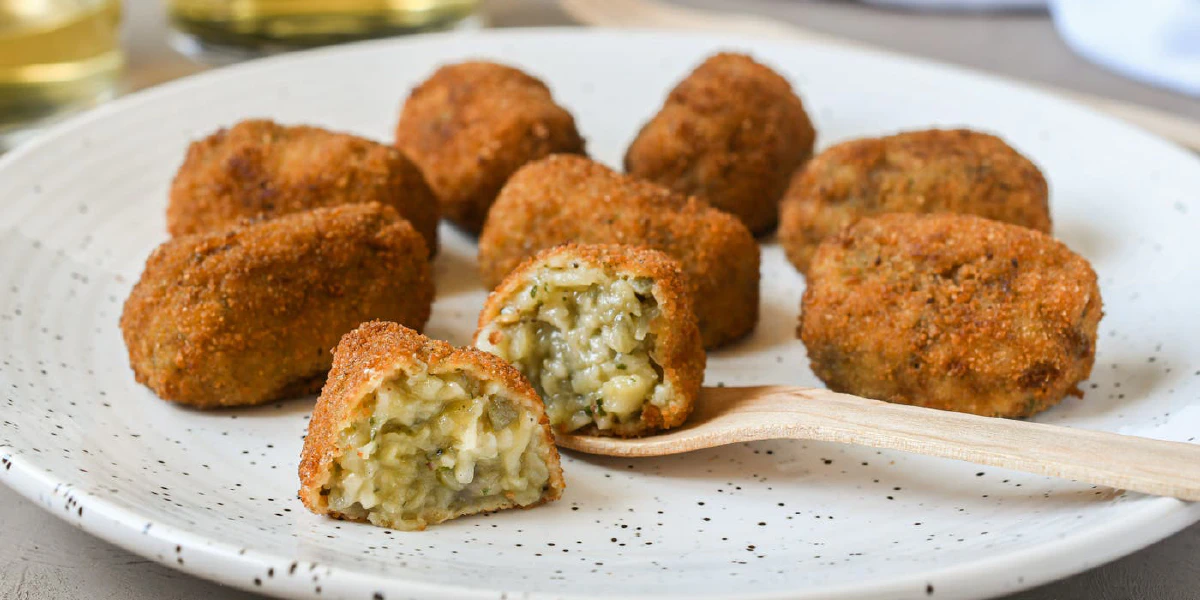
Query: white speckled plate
[[214, 493]]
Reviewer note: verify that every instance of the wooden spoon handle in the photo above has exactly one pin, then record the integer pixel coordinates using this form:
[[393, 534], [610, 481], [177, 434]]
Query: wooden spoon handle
[[1098, 457]]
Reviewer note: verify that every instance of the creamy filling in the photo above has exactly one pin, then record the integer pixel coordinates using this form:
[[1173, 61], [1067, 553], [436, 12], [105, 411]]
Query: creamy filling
[[435, 444], [583, 338]]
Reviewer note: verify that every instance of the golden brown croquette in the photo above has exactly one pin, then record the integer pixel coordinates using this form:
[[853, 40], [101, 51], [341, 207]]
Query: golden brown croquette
[[410, 432], [567, 198], [259, 168], [472, 125], [951, 311], [249, 314], [732, 132], [605, 333], [958, 171]]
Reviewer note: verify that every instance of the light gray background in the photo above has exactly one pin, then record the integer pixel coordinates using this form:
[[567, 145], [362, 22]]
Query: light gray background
[[42, 557]]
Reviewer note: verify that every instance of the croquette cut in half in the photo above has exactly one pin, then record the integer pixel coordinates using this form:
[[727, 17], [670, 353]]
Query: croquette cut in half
[[471, 125], [951, 311], [732, 132], [410, 432], [564, 199], [606, 335], [248, 315], [931, 171], [259, 168]]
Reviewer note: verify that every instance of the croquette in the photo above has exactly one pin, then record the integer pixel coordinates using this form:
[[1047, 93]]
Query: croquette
[[732, 132], [259, 168], [605, 333], [951, 311], [472, 125], [567, 198], [933, 171], [410, 432], [249, 314]]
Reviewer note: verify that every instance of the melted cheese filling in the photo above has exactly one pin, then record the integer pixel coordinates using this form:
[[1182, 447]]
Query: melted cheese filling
[[583, 339], [441, 443]]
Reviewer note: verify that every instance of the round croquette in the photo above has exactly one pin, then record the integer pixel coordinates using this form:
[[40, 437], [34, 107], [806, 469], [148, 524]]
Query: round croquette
[[605, 333], [958, 171], [472, 125], [951, 311], [259, 168], [567, 198], [249, 314], [732, 132]]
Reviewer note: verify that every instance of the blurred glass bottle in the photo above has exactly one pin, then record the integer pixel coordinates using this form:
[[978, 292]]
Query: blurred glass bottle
[[55, 56], [219, 30]]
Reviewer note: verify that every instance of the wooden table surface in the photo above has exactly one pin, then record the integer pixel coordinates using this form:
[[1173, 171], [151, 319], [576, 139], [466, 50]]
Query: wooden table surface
[[44, 558]]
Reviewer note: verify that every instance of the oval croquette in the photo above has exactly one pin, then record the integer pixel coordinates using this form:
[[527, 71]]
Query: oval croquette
[[259, 168], [567, 198], [249, 315], [472, 125], [958, 171], [732, 132], [951, 311]]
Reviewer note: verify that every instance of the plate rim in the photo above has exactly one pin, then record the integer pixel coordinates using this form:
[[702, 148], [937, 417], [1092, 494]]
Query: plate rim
[[1154, 521], [1157, 520]]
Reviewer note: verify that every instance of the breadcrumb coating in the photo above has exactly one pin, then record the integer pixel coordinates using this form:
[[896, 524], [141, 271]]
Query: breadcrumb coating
[[259, 168], [932, 171], [732, 132], [471, 125], [951, 311], [377, 350], [248, 315]]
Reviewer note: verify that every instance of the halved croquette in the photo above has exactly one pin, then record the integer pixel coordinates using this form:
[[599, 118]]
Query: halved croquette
[[606, 335], [410, 432]]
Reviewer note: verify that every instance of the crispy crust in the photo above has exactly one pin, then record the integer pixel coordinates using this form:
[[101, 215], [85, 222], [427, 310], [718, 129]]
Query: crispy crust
[[951, 311], [471, 125], [929, 171], [565, 198], [258, 168], [678, 351], [248, 315], [732, 132], [370, 354]]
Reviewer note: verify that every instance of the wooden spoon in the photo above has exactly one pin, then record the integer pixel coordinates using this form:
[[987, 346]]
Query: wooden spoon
[[730, 415]]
